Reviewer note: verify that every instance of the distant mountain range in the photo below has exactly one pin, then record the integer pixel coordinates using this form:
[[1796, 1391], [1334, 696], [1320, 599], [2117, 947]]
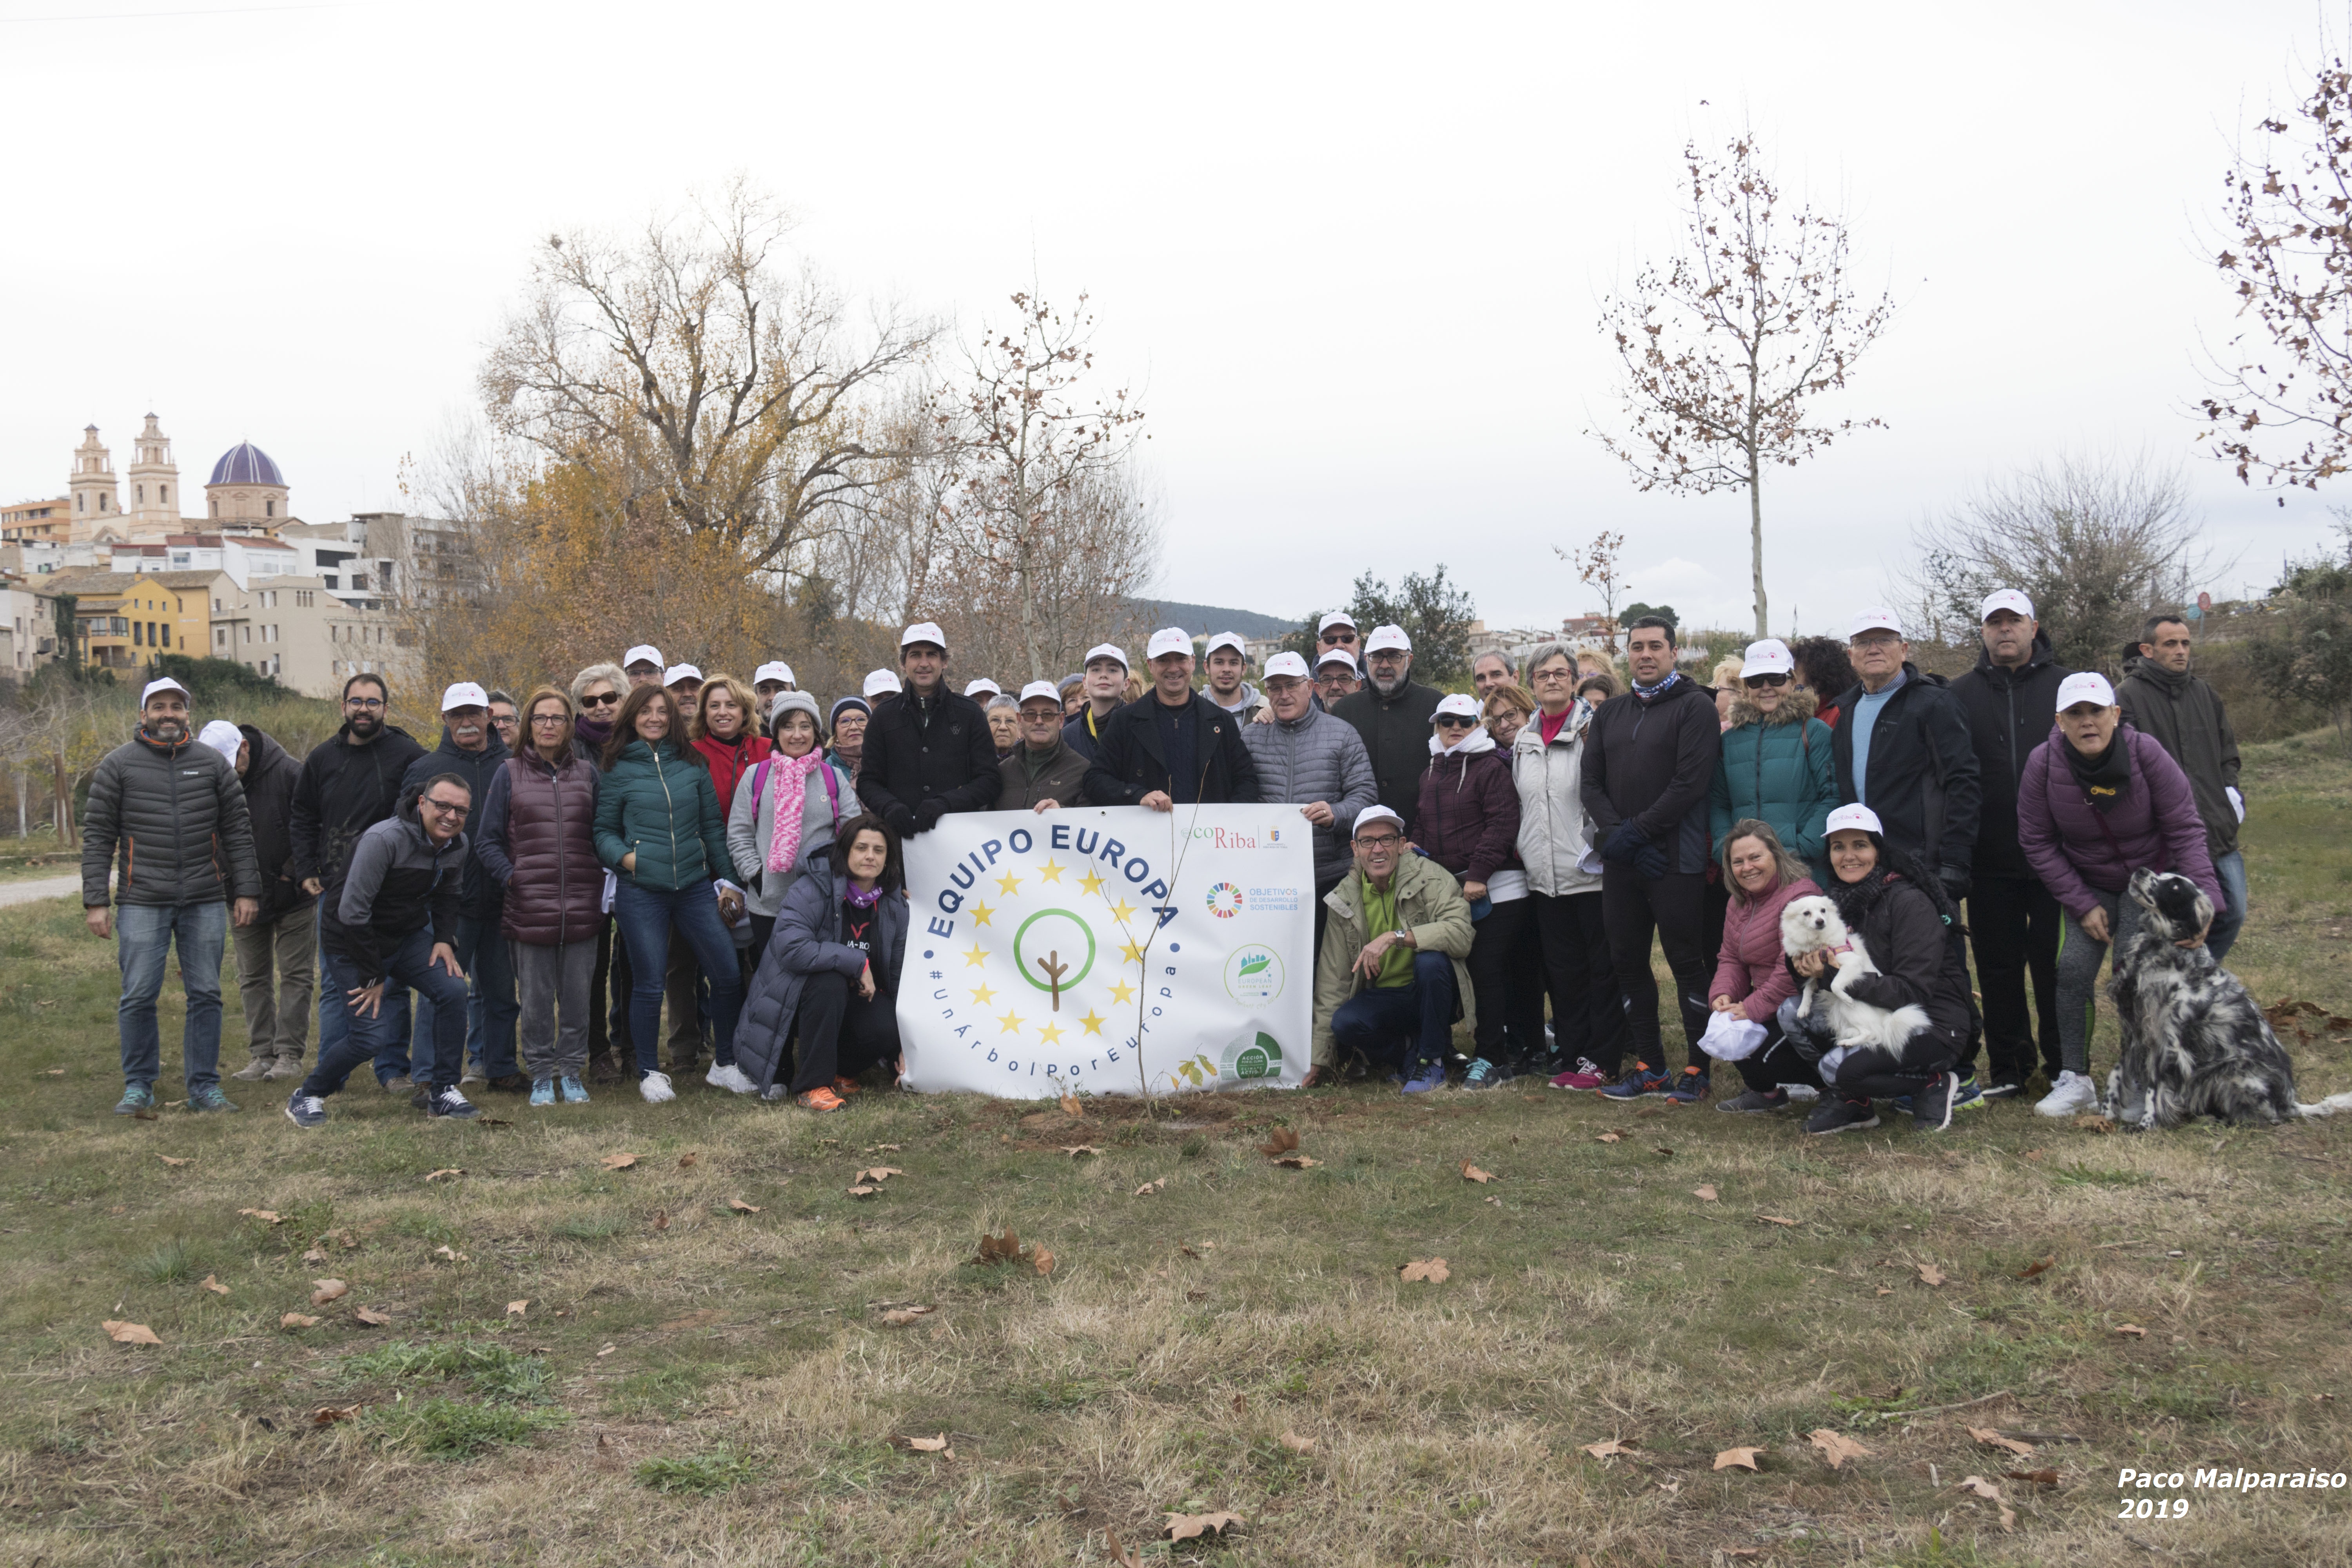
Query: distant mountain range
[[1209, 618]]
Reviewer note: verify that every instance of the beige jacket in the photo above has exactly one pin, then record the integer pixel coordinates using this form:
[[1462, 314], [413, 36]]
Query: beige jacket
[[1429, 904]]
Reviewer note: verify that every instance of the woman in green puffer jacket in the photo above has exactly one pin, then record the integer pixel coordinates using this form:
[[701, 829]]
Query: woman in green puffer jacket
[[661, 830], [1775, 764]]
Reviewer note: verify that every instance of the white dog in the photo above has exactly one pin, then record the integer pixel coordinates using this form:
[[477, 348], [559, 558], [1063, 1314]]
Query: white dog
[[1813, 925]]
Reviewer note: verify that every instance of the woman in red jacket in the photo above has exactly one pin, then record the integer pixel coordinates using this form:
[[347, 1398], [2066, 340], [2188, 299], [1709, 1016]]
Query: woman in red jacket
[[1752, 977], [1467, 821]]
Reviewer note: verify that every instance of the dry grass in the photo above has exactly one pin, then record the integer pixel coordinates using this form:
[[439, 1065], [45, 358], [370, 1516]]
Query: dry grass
[[747, 1409]]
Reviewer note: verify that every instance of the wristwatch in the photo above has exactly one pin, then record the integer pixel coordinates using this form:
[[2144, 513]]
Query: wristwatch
[[1401, 934]]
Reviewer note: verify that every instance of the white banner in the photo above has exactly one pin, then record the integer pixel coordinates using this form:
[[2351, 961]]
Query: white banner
[[1045, 948]]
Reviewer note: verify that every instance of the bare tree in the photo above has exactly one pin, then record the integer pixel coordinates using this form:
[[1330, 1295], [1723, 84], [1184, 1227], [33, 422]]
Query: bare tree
[[1596, 568], [1725, 348], [2095, 544]]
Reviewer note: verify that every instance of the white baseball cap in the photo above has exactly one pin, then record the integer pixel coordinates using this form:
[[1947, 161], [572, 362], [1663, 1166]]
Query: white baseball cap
[[2006, 599], [1768, 657], [923, 631], [464, 694], [1167, 640], [1105, 650], [982, 684], [1336, 619], [1289, 664], [1876, 620], [677, 672], [1852, 817], [1458, 705], [1043, 690], [1385, 638], [166, 684], [1232, 640], [222, 737], [1336, 656], [774, 669], [880, 682], [2085, 685], [1375, 813], [643, 653]]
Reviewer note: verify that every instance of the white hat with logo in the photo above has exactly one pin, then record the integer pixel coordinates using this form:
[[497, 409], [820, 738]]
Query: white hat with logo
[[923, 631], [2008, 599], [464, 694], [2085, 685], [1458, 705], [1289, 664], [1106, 650], [222, 737], [643, 653], [774, 669], [1372, 813], [166, 684], [677, 672], [1336, 656], [1336, 619], [880, 682], [1167, 640], [1234, 640], [1852, 817], [1769, 656], [1045, 690], [1878, 619], [1386, 637], [982, 687]]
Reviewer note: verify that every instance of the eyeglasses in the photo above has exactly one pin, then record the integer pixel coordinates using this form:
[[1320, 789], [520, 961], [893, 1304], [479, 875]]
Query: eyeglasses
[[1560, 674], [1335, 636], [547, 718], [1767, 679], [446, 809], [1454, 721], [1882, 641], [607, 700], [364, 702], [1379, 841], [503, 720]]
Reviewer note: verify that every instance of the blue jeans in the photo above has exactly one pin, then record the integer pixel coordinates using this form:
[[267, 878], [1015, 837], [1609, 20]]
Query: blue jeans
[[491, 1010], [143, 937], [335, 1015], [646, 917], [2230, 918], [1401, 1025], [365, 1038]]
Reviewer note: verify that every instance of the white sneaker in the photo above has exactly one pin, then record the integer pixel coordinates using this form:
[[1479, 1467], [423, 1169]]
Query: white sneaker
[[730, 1077], [2073, 1094], [655, 1087]]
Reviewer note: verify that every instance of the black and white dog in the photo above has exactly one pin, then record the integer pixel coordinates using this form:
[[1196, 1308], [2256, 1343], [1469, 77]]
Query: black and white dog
[[2194, 1044]]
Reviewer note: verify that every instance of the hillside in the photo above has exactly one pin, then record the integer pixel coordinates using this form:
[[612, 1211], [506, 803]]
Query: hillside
[[1209, 618]]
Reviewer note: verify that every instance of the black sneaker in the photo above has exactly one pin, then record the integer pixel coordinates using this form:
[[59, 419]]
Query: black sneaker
[[1842, 1116], [450, 1103], [2002, 1087], [1755, 1100], [1931, 1107]]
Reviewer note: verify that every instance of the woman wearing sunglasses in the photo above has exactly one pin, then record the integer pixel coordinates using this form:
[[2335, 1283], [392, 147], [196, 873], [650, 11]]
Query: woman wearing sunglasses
[[1776, 765], [1468, 820]]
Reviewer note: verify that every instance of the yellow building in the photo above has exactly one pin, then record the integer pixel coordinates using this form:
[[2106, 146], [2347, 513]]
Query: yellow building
[[126, 619]]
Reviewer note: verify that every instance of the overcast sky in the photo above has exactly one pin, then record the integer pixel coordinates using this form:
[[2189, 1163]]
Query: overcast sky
[[1352, 256]]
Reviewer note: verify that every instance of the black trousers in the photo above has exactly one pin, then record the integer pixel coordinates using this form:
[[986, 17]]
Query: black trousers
[[1874, 1072], [1774, 1063], [1508, 989], [842, 1034], [2016, 925], [1674, 907], [608, 1023], [1587, 1015]]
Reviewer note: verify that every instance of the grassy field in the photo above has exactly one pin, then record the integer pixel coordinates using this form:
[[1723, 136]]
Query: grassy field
[[711, 1355]]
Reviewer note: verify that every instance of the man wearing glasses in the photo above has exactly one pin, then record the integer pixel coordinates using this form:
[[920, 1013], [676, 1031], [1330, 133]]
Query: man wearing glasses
[[471, 749], [644, 665], [1337, 633], [350, 782], [1393, 715], [391, 927], [1389, 978], [503, 722]]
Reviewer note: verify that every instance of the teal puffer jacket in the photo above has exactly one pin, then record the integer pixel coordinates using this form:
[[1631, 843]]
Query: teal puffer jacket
[[1779, 771], [661, 806]]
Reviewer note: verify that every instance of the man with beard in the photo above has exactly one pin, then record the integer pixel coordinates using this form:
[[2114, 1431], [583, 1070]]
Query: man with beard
[[174, 811], [1393, 715], [277, 956], [928, 751], [2162, 700], [472, 750], [350, 782]]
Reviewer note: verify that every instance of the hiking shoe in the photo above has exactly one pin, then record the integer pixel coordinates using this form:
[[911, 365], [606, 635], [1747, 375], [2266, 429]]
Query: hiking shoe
[[209, 1097], [543, 1093], [254, 1070], [285, 1067], [1484, 1074], [820, 1098], [306, 1109], [1585, 1074], [473, 1075], [422, 1099], [605, 1068], [1427, 1076], [511, 1083], [774, 1093], [846, 1087], [574, 1091], [1931, 1107], [1841, 1116], [1643, 1081], [1691, 1086], [2072, 1095], [656, 1089], [398, 1083], [451, 1104], [138, 1100], [1755, 1100]]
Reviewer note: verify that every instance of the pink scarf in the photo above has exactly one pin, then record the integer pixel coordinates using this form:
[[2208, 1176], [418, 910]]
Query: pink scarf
[[791, 774]]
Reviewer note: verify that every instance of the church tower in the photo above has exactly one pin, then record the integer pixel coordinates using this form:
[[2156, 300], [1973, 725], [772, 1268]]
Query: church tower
[[96, 499], [154, 492]]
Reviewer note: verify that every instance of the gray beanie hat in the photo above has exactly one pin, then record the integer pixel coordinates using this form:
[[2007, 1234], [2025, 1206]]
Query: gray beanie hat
[[786, 703]]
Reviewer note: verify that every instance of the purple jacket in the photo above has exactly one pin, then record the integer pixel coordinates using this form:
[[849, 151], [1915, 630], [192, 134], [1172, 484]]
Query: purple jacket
[[1468, 815], [2154, 824], [1752, 969]]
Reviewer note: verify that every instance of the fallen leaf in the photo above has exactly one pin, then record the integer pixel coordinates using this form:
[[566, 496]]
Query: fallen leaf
[[661, 1219], [1296, 1444], [315, 1255], [686, 1161], [901, 1316], [1149, 1187], [1662, 1150], [1670, 1488], [2134, 1329], [1775, 1220], [1074, 1150], [2093, 1124], [1044, 1260], [2039, 1266], [1612, 1447], [739, 1207], [515, 1309], [1186, 1526], [1070, 1106], [862, 1191], [371, 1316], [1122, 1556], [1992, 1438], [445, 1170], [1743, 1457], [328, 1415], [620, 1161], [1704, 1192], [882, 1148], [1991, 1493], [347, 1238], [130, 1333], [1281, 1140], [1929, 1274], [55, 1072], [297, 1320], [1240, 1404], [1836, 1448], [608, 1350], [1611, 1138], [168, 1160], [1471, 1172], [1297, 1162], [452, 1254], [212, 1285], [878, 1174], [1495, 1201], [1887, 1289], [326, 1291], [266, 1216], [1432, 1269], [2039, 1478], [937, 1445]]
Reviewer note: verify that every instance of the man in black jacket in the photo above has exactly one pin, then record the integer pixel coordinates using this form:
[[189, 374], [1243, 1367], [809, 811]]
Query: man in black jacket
[[1393, 715], [2014, 920], [1173, 746], [472, 748], [350, 782], [1649, 761], [2161, 700], [928, 751], [277, 954]]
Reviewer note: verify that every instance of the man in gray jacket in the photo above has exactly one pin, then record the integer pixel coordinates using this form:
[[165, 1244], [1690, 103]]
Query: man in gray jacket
[[176, 814], [1308, 759], [2162, 700]]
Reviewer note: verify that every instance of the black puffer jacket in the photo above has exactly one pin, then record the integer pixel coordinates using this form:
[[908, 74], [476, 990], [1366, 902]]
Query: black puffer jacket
[[270, 776], [1905, 934], [1133, 762], [1396, 737], [924, 760], [2009, 715], [175, 819], [479, 893], [346, 790], [1923, 776]]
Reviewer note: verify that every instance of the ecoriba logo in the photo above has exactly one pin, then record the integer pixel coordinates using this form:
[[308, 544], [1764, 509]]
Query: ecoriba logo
[[1224, 900]]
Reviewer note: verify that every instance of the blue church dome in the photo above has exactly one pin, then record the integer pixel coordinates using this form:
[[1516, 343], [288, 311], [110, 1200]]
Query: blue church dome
[[245, 464]]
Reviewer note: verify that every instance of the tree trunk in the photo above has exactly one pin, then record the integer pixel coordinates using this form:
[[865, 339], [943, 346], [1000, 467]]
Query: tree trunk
[[1756, 541], [66, 833]]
